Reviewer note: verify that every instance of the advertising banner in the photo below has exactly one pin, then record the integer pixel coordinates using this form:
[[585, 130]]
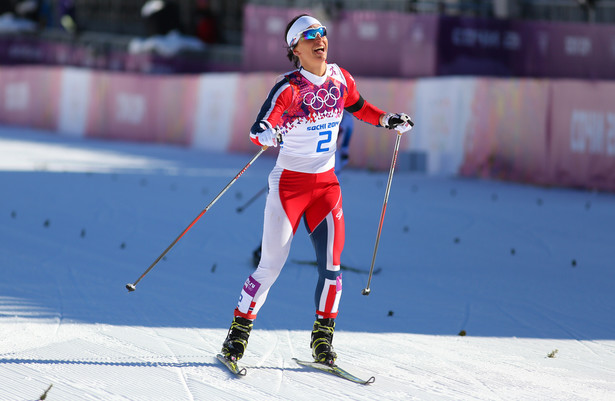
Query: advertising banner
[[216, 111], [369, 43], [366, 43], [28, 96], [142, 108], [443, 112], [417, 47], [263, 38], [371, 146], [122, 107], [582, 151], [75, 95], [548, 132], [389, 44], [474, 46], [508, 135], [471, 46], [175, 102]]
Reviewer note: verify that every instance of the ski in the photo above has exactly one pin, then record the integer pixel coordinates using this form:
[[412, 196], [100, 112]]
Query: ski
[[335, 370], [232, 366], [342, 267]]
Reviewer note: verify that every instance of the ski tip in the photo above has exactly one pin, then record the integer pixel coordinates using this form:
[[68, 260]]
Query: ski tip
[[336, 371], [241, 372]]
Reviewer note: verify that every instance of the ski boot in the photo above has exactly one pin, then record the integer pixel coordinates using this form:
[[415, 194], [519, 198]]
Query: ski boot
[[237, 339], [322, 337]]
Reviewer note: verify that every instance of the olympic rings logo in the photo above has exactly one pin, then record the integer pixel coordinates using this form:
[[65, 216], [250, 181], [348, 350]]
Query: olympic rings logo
[[322, 98]]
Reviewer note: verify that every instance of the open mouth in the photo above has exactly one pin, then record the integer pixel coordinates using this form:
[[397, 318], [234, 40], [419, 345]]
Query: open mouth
[[319, 50]]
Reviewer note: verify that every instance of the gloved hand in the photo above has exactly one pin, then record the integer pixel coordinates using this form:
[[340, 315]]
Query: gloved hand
[[398, 121], [270, 136]]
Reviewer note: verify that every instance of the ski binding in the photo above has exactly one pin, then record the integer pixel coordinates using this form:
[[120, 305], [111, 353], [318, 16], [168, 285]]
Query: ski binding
[[232, 366]]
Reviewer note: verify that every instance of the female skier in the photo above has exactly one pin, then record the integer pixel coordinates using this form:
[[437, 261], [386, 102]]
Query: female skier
[[303, 113]]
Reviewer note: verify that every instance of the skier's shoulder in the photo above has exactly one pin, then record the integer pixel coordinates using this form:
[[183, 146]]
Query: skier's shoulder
[[287, 76], [338, 73]]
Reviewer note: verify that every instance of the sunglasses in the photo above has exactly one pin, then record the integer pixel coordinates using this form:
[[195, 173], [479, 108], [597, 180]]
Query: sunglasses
[[310, 33]]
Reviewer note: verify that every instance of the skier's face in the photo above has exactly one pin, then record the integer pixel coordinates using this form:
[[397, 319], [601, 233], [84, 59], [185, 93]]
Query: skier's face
[[312, 53]]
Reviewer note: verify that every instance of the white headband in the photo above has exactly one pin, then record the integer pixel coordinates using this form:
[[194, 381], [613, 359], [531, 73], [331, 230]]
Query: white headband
[[299, 26]]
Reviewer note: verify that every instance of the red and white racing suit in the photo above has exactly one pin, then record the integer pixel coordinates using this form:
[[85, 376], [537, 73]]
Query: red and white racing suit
[[308, 109]]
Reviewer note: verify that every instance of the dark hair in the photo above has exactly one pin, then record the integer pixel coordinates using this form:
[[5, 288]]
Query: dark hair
[[289, 50]]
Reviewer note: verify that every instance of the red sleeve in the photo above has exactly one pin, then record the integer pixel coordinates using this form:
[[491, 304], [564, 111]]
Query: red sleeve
[[356, 105], [279, 99]]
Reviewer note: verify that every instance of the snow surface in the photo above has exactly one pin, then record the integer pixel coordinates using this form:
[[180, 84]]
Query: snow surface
[[524, 271]]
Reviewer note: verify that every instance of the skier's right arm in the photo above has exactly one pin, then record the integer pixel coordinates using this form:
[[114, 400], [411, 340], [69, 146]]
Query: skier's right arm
[[264, 131]]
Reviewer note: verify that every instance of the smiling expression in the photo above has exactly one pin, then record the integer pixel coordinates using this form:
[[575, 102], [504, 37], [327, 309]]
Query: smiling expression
[[312, 53]]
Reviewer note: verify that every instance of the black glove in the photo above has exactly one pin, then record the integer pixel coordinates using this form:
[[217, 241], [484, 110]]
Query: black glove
[[399, 121]]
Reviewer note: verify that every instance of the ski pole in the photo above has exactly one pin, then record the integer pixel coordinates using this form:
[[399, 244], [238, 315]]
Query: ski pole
[[252, 199], [367, 290], [132, 286]]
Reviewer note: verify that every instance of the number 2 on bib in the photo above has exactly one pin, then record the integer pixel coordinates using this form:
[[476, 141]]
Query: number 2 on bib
[[323, 143]]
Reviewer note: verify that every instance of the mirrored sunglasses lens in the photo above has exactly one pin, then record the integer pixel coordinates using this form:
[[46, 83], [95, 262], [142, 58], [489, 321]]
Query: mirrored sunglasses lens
[[311, 34]]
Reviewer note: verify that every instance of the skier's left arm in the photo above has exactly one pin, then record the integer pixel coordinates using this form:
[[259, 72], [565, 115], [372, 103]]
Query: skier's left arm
[[371, 114]]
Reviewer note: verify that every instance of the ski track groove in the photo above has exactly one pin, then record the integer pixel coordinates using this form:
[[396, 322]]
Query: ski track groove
[[154, 354], [462, 376], [512, 316], [536, 240], [570, 332], [181, 372], [579, 339], [269, 350]]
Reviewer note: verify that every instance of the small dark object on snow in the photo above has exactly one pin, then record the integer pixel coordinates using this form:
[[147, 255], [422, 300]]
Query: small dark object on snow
[[574, 262], [44, 395], [512, 251], [13, 214], [457, 240], [213, 268], [123, 245], [390, 313], [462, 333], [83, 233], [46, 223]]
